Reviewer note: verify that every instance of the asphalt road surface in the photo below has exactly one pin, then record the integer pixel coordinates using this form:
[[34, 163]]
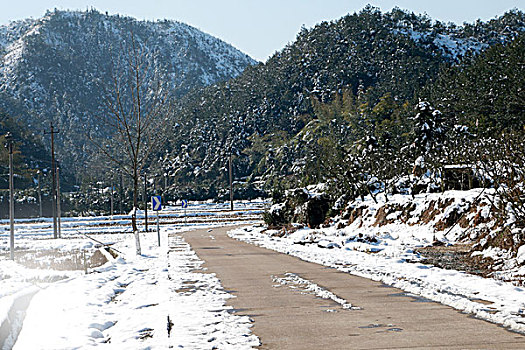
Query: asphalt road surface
[[287, 316]]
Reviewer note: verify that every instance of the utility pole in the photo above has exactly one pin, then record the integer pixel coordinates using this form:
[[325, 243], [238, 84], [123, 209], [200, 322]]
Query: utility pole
[[59, 211], [121, 194], [9, 145], [111, 200], [145, 202], [231, 181], [53, 177], [39, 173]]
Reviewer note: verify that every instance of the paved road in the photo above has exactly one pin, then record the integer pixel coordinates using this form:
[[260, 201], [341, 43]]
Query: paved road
[[285, 318]]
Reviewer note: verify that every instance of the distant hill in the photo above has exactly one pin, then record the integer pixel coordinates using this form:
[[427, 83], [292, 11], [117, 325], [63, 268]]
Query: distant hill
[[372, 55], [51, 69]]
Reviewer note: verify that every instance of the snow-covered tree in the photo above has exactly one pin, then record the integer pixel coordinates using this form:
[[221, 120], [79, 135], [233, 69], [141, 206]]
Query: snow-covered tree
[[429, 133]]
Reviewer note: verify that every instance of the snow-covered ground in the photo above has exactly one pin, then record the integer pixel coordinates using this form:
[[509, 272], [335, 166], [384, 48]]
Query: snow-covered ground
[[165, 298], [390, 258], [159, 299]]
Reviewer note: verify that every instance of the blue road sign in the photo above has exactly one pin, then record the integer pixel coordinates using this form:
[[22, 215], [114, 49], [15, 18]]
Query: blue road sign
[[184, 203], [156, 203]]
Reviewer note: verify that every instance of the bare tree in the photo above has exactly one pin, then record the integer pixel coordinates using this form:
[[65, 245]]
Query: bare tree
[[135, 109]]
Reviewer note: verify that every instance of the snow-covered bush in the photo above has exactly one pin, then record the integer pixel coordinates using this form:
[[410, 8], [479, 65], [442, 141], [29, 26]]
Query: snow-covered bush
[[503, 160]]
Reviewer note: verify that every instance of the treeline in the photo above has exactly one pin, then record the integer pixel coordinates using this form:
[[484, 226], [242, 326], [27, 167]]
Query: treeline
[[29, 154], [376, 63]]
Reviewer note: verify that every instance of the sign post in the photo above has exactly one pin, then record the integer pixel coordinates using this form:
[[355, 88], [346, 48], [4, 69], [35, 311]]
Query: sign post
[[184, 204], [156, 204]]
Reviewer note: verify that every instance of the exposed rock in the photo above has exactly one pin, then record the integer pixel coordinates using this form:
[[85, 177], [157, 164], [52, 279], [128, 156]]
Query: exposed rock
[[299, 206]]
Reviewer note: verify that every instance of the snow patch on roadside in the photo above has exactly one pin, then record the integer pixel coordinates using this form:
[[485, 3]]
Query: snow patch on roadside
[[296, 282]]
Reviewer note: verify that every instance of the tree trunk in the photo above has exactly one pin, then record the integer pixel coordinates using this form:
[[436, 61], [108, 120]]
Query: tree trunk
[[371, 194], [134, 211]]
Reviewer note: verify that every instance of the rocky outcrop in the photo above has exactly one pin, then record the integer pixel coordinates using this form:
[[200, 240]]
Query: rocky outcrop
[[300, 206]]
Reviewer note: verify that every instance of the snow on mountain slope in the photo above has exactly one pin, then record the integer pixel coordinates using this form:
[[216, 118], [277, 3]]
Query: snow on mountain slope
[[57, 67], [185, 49], [448, 45]]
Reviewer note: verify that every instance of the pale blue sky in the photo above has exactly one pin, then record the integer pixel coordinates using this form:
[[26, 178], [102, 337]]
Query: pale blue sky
[[259, 27]]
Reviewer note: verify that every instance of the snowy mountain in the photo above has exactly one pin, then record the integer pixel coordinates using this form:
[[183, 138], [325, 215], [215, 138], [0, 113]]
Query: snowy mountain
[[52, 68], [268, 115]]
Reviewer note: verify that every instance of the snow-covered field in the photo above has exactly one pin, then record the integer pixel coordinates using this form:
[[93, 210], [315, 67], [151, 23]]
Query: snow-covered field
[[159, 299], [197, 213]]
